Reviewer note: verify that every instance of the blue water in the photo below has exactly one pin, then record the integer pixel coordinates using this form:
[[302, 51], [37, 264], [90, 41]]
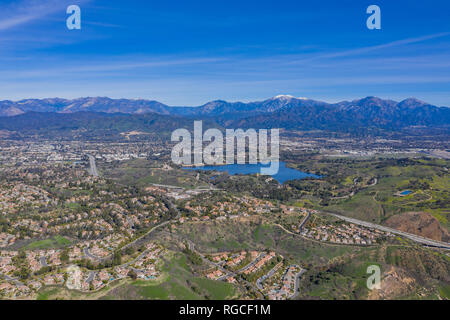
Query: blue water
[[284, 174], [406, 192]]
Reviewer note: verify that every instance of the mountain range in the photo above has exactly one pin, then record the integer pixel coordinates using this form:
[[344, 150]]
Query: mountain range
[[140, 106], [278, 112]]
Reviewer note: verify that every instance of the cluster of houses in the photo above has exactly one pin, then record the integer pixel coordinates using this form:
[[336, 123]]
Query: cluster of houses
[[15, 196], [259, 263], [231, 207], [343, 233], [235, 260], [231, 260], [89, 223], [240, 262], [215, 275], [144, 267], [286, 287], [6, 261], [56, 152], [277, 284], [12, 290], [6, 239], [42, 258]]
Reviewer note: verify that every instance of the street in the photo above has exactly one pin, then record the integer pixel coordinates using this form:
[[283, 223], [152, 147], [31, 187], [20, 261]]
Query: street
[[93, 167]]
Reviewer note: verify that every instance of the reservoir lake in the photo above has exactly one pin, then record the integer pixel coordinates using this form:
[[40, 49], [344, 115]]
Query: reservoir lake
[[284, 174]]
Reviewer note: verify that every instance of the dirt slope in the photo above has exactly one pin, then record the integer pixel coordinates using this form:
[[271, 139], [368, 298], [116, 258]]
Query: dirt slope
[[419, 223]]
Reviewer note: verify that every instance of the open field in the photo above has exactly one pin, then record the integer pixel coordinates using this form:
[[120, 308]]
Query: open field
[[54, 242], [143, 173]]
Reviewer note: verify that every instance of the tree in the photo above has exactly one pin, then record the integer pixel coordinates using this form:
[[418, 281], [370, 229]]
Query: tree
[[129, 250], [64, 256], [132, 274], [23, 273], [117, 258]]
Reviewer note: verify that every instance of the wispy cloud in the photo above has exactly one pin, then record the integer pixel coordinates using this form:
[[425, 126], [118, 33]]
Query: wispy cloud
[[97, 67], [363, 50]]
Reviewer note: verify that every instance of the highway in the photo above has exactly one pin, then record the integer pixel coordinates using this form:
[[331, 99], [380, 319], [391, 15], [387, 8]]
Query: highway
[[93, 167], [413, 237]]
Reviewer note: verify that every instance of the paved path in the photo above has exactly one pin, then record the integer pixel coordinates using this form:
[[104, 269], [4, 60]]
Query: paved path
[[91, 276], [135, 259], [93, 167], [304, 222], [166, 186], [413, 237], [90, 255], [374, 183], [210, 188]]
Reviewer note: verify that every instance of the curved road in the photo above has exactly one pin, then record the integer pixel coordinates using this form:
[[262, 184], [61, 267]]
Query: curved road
[[90, 255]]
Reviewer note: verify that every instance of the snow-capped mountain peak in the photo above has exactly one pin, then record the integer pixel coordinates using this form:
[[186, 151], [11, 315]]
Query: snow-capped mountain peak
[[284, 97]]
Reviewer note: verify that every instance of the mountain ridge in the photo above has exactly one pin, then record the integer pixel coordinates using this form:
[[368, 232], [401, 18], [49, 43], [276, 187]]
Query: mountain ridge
[[215, 107], [283, 111]]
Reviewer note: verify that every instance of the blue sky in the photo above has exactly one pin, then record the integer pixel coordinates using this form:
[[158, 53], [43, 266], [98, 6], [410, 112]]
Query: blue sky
[[191, 52]]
